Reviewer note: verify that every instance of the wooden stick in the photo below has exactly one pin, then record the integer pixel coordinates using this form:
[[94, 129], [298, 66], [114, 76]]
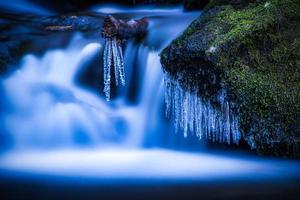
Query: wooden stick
[[122, 29]]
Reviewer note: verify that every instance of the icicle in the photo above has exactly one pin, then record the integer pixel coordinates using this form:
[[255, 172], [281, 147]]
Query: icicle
[[116, 59], [193, 115], [121, 66], [107, 67], [227, 128], [168, 97], [177, 106], [199, 118], [235, 131], [112, 56], [185, 111]]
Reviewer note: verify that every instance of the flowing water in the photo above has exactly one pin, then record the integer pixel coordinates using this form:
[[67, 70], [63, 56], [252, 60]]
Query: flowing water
[[55, 125]]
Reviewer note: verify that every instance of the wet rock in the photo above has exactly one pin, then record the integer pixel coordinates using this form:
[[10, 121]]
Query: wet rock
[[79, 22], [253, 50], [21, 32], [58, 28], [9, 52]]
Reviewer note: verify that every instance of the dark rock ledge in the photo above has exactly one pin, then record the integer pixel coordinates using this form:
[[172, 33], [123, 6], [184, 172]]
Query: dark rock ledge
[[252, 49], [21, 33]]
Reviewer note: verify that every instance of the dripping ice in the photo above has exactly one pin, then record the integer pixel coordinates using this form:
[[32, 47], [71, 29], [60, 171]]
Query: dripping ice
[[112, 59], [191, 114]]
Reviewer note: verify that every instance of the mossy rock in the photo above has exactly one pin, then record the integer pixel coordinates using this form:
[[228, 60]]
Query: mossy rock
[[254, 51]]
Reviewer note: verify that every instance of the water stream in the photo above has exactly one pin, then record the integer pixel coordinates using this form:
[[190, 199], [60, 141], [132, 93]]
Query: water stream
[[57, 126]]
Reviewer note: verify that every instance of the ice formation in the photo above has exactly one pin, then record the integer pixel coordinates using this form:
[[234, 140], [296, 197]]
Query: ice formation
[[112, 59], [192, 115]]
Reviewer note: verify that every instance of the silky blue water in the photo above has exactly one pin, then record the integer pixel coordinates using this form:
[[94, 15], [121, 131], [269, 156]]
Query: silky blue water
[[23, 6], [55, 126]]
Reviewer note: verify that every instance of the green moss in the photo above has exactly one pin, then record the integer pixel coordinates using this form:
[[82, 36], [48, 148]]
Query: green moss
[[265, 96], [264, 78], [258, 55], [238, 23]]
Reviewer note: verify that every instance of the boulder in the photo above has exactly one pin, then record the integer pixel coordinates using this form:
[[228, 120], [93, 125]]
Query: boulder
[[253, 52]]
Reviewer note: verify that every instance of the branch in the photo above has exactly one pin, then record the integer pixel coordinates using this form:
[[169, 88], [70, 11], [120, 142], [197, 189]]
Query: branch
[[122, 29]]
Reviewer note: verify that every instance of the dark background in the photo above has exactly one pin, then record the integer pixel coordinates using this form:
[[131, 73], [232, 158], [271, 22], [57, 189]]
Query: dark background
[[75, 5]]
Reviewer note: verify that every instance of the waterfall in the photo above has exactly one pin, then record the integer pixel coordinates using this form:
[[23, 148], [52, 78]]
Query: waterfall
[[21, 6], [51, 108], [46, 107], [57, 127]]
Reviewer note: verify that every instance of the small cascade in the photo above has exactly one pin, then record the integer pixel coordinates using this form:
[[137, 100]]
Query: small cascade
[[112, 57], [191, 114], [46, 105]]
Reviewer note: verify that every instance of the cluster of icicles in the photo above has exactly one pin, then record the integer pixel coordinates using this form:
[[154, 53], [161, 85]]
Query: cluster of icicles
[[192, 115], [112, 57]]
